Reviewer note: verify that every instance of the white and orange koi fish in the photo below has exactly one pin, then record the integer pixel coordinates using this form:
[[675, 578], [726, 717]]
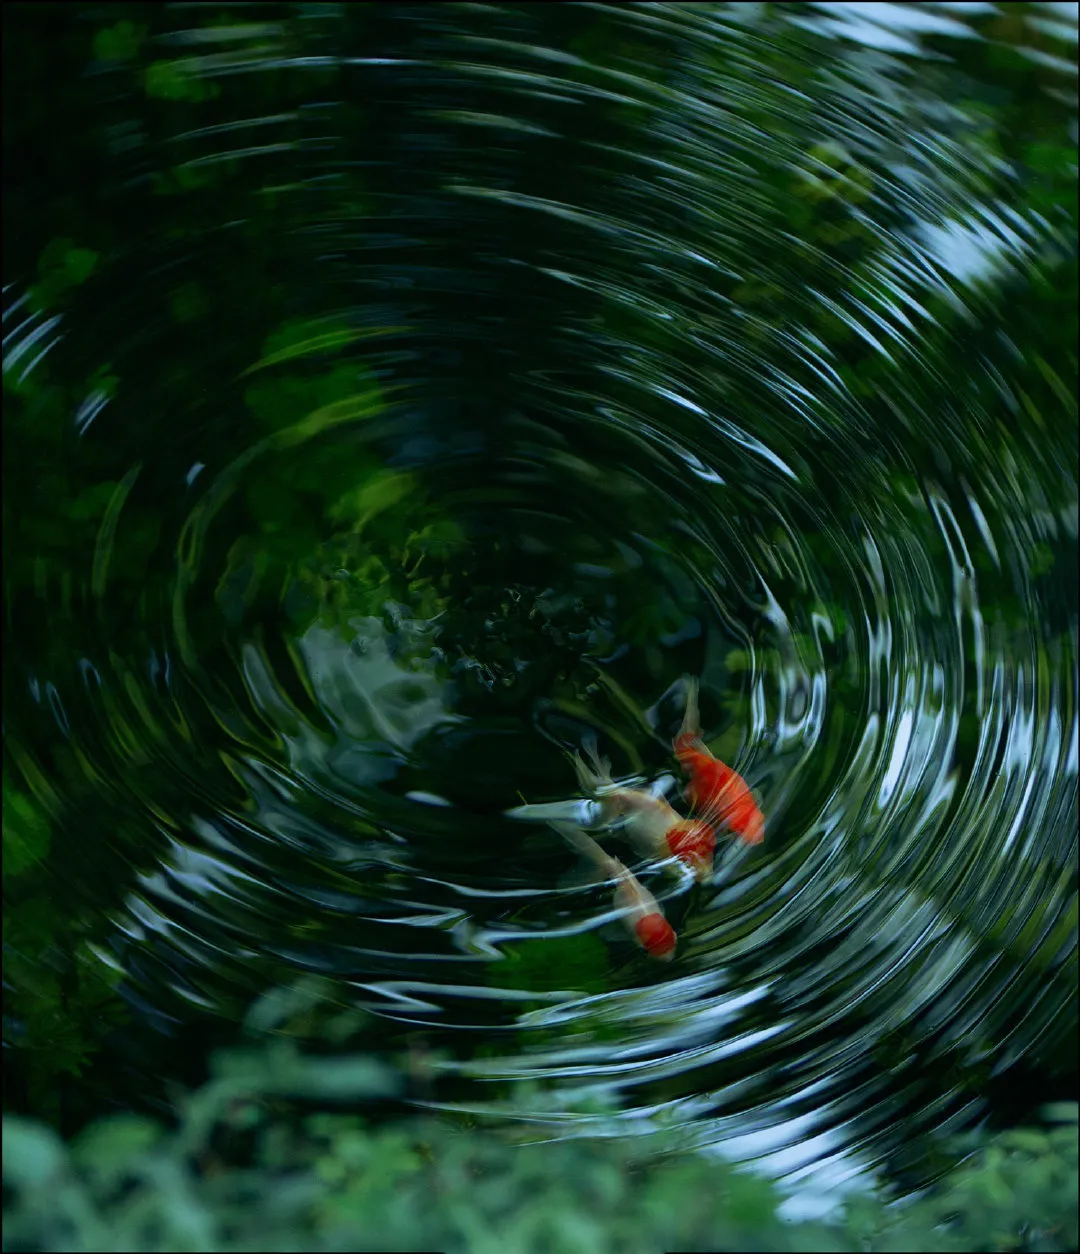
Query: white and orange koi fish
[[640, 911], [652, 826]]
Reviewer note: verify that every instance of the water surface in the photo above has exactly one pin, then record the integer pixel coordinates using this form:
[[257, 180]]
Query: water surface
[[398, 395]]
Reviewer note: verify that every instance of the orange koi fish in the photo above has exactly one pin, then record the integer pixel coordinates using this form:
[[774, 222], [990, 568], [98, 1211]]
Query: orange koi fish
[[653, 827], [718, 793], [640, 910]]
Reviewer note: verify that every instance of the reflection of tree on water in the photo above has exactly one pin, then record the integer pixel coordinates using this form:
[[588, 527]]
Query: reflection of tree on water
[[611, 343], [379, 705]]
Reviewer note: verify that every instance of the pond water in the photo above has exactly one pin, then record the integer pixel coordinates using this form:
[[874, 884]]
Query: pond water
[[397, 396]]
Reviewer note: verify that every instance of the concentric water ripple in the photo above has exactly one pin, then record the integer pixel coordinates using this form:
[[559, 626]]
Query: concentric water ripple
[[586, 347]]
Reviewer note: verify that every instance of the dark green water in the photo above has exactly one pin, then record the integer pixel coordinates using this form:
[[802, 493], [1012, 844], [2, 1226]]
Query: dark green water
[[396, 394]]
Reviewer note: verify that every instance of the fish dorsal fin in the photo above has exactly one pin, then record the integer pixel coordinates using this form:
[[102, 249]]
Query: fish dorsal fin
[[602, 766], [691, 724]]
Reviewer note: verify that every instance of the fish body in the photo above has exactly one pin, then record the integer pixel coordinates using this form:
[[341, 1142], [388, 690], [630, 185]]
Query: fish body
[[639, 909], [653, 827], [719, 794]]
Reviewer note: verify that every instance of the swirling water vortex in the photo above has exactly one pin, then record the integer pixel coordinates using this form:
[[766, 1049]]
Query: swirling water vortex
[[434, 385]]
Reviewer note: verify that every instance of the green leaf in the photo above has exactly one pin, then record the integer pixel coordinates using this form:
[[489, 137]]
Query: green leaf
[[113, 1146], [189, 303], [311, 339], [280, 1068], [377, 493], [1032, 1140], [79, 265], [120, 42], [360, 405], [61, 266], [26, 832], [173, 80], [91, 503], [33, 1154], [1061, 1112]]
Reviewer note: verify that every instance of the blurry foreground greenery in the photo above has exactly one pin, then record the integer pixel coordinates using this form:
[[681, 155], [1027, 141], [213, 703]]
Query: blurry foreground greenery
[[257, 1161]]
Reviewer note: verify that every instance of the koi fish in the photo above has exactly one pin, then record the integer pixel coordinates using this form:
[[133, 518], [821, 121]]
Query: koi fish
[[640, 910], [653, 827], [718, 793]]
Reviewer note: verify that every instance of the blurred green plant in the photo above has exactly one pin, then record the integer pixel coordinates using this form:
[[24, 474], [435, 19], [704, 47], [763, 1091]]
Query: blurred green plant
[[62, 266], [59, 995], [257, 1161]]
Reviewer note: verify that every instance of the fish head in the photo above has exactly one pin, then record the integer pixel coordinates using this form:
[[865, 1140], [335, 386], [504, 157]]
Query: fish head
[[656, 936]]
